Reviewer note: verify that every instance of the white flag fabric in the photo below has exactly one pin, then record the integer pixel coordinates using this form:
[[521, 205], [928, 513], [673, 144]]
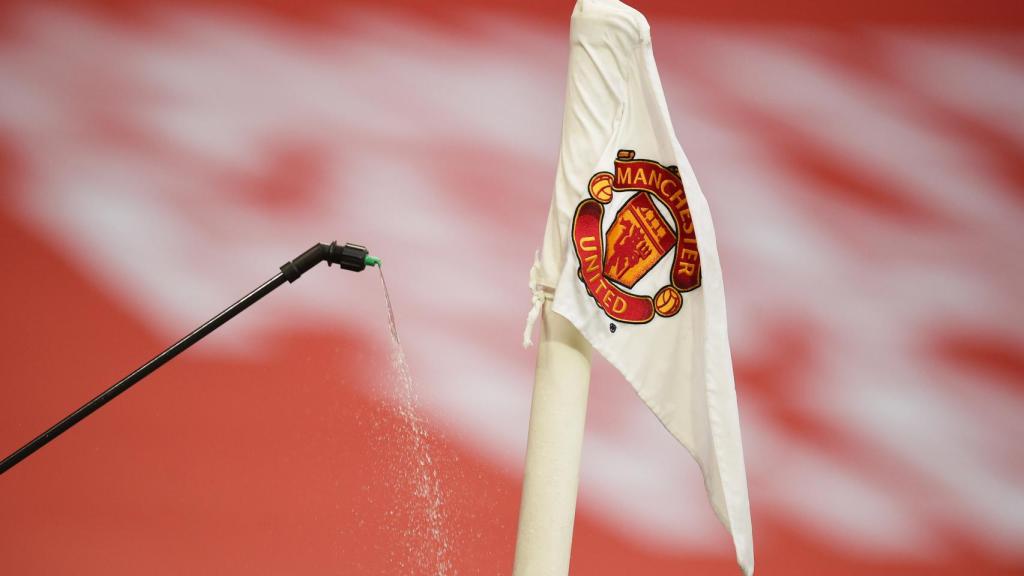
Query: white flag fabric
[[629, 254]]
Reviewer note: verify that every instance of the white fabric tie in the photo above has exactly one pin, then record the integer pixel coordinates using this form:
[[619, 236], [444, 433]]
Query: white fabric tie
[[540, 294]]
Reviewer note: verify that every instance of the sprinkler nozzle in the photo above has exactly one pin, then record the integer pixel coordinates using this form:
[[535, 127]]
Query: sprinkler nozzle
[[350, 257]]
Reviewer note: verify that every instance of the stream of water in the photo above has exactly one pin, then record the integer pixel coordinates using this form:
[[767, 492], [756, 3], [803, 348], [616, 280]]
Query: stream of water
[[427, 538]]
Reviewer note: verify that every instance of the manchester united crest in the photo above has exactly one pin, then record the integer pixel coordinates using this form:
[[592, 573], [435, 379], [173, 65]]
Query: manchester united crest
[[652, 224]]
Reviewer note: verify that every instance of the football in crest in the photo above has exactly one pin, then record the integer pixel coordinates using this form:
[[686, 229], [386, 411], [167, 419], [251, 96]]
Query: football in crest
[[667, 301], [601, 187]]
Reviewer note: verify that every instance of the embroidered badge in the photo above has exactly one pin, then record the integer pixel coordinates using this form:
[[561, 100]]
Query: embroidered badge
[[637, 238]]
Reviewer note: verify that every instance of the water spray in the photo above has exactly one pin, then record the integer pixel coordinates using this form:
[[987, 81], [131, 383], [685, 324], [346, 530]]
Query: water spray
[[349, 257]]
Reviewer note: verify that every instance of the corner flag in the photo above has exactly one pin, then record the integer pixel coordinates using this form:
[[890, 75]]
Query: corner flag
[[629, 255]]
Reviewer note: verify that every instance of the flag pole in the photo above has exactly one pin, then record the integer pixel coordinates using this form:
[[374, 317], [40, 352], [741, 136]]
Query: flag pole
[[554, 446]]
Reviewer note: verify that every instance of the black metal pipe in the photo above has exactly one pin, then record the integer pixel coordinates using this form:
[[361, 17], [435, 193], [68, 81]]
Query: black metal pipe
[[350, 257]]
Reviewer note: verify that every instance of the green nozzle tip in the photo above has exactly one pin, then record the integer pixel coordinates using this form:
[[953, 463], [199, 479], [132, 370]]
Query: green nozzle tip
[[371, 260]]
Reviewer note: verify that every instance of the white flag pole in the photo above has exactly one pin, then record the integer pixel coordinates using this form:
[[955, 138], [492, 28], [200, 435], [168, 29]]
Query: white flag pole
[[554, 446]]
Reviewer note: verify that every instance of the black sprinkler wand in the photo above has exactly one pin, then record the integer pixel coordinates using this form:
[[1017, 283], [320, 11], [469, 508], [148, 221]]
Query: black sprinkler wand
[[349, 257]]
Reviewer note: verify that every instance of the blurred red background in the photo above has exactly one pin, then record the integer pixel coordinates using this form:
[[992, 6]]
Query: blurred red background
[[864, 163]]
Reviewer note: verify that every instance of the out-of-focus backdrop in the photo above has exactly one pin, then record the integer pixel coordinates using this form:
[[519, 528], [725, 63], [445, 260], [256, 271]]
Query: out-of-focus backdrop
[[864, 164]]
